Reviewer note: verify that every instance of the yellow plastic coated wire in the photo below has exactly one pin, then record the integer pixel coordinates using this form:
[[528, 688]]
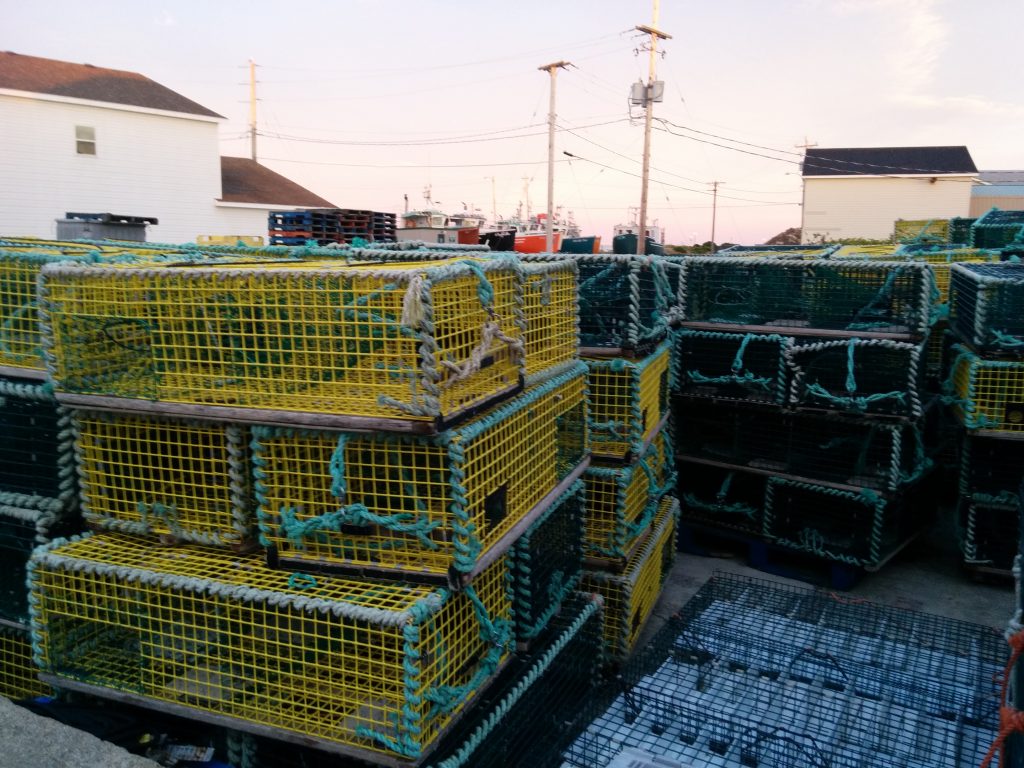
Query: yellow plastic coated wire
[[989, 394], [157, 475], [410, 341], [550, 307], [328, 658], [506, 468], [627, 400], [618, 497], [629, 599], [19, 676]]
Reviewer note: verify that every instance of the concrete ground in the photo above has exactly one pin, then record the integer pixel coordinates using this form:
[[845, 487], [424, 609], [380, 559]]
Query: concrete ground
[[926, 576]]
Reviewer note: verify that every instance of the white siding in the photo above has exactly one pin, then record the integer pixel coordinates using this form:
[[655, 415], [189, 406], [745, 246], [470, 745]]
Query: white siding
[[145, 165], [867, 207]]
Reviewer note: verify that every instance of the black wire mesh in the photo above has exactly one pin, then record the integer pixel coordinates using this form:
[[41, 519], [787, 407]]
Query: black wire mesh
[[986, 306], [846, 296], [721, 498], [30, 451], [546, 563], [877, 376], [522, 718], [859, 528], [989, 533], [960, 230], [991, 469], [755, 673], [17, 540], [850, 451], [997, 228], [731, 366]]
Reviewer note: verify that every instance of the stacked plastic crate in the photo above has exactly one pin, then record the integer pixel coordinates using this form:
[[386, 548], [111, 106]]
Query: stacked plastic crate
[[986, 390], [755, 673], [801, 406], [626, 304], [305, 480]]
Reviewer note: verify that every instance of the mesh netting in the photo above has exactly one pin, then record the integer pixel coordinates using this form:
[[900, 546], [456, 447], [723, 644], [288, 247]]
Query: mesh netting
[[997, 228], [721, 498], [986, 394], [424, 504], [731, 366], [884, 297], [755, 673], [987, 306], [626, 302], [411, 341], [546, 563], [989, 533], [856, 528], [19, 677], [630, 597], [36, 451], [860, 453], [379, 668]]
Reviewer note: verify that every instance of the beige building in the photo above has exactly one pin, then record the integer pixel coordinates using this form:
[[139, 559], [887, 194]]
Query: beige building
[[860, 192], [997, 189]]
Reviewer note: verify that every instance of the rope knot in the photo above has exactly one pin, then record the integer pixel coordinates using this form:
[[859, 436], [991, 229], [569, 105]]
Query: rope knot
[[1011, 720]]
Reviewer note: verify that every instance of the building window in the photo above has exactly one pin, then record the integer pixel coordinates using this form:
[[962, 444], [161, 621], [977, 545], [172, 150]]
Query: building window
[[85, 140]]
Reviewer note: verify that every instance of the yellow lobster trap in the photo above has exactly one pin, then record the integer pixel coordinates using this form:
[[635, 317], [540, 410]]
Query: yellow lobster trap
[[19, 676], [628, 402], [375, 670], [986, 395], [181, 479], [622, 501], [20, 343], [550, 302], [439, 506], [406, 347], [940, 260], [630, 597]]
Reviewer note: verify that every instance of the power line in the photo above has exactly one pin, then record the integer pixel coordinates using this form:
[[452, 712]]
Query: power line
[[666, 184], [464, 139], [803, 162], [422, 165]]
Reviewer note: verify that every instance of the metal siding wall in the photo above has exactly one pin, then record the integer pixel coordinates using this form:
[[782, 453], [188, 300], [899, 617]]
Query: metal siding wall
[[867, 207]]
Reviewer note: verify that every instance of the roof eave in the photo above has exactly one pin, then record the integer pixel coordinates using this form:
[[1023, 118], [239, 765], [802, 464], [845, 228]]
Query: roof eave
[[34, 96]]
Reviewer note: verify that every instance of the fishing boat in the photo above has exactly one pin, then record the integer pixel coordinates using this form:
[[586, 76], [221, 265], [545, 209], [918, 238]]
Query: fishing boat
[[625, 235], [432, 225]]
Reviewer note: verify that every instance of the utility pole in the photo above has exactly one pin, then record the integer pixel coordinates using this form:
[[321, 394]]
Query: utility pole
[[803, 186], [649, 98], [252, 106], [714, 211], [552, 70]]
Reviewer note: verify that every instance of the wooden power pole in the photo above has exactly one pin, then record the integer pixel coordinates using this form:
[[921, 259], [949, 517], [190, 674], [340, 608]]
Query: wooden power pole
[[552, 70], [649, 97]]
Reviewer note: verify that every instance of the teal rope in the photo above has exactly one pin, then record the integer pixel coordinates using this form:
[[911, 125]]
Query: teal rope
[[859, 404]]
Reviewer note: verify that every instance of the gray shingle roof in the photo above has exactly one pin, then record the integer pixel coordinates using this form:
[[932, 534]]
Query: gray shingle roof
[[885, 161], [84, 81]]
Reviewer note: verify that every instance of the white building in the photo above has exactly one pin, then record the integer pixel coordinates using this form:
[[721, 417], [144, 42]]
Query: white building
[[861, 192], [87, 139]]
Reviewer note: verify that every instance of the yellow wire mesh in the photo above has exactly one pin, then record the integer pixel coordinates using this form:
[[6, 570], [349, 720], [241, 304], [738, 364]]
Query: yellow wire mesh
[[883, 252], [19, 330], [19, 676], [619, 497], [222, 633], [629, 599], [157, 475], [314, 337], [505, 461], [550, 307], [989, 393], [627, 401], [912, 229]]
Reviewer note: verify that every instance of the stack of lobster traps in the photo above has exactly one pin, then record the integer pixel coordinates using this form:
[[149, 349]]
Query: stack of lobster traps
[[626, 304], [801, 405], [328, 499], [985, 387]]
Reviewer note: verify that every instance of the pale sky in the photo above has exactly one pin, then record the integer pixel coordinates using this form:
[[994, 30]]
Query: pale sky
[[363, 101]]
